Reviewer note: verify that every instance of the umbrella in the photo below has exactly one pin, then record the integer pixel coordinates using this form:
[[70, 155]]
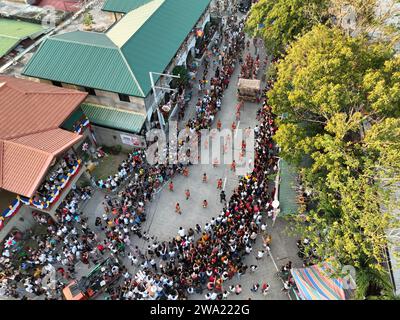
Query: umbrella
[[9, 242]]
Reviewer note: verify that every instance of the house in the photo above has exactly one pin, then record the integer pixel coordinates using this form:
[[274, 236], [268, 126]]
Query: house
[[116, 68], [118, 8], [15, 32], [32, 144]]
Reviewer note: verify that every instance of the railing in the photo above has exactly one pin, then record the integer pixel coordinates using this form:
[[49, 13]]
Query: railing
[[52, 198]]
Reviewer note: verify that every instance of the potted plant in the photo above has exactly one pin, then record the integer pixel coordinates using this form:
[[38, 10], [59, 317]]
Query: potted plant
[[87, 21]]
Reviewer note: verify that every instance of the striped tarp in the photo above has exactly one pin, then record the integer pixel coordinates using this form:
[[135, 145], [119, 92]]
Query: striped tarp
[[318, 283]]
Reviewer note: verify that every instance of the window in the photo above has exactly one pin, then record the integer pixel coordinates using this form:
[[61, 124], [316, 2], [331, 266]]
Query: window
[[56, 83], [123, 97], [90, 91]]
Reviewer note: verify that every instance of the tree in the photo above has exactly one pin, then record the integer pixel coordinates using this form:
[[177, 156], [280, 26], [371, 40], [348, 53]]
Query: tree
[[323, 73], [339, 96], [278, 22], [184, 75], [87, 19]]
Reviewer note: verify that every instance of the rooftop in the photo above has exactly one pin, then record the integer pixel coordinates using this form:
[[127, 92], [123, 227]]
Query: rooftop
[[12, 32], [31, 137], [146, 39], [114, 118], [123, 6]]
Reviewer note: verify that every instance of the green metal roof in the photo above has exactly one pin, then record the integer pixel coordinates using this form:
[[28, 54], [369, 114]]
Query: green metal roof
[[87, 59], [154, 45], [12, 32], [7, 44], [100, 61], [86, 38], [123, 6], [114, 118], [69, 124]]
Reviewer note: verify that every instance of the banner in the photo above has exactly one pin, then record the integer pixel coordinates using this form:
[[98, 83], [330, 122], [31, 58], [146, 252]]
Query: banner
[[130, 140], [16, 204], [84, 122], [10, 211]]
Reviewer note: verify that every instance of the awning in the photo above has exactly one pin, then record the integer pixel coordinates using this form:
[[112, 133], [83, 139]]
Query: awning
[[318, 283], [119, 119], [249, 84]]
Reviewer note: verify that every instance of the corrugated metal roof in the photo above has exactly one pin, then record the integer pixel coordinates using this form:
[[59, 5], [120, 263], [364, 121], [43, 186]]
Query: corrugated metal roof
[[52, 141], [12, 32], [19, 175], [114, 118], [7, 44], [19, 29], [29, 107], [287, 189], [86, 59], [80, 59], [132, 22], [85, 37], [123, 6], [154, 45], [30, 137]]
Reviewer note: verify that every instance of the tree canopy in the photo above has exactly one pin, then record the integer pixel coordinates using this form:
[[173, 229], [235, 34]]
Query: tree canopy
[[278, 22], [340, 99]]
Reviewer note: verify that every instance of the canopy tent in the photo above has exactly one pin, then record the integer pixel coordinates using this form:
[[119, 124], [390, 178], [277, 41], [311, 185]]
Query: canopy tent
[[318, 283], [249, 84], [249, 89]]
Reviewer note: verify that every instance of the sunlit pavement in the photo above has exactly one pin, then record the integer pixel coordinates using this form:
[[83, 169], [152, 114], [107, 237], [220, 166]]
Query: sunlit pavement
[[163, 222]]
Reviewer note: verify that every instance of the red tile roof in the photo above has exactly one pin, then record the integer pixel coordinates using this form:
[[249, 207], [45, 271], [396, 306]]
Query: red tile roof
[[30, 138]]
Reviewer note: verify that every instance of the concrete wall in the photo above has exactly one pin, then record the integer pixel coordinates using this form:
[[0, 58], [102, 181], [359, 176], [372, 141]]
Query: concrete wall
[[44, 81], [115, 97], [137, 100], [72, 86], [109, 102], [111, 95], [22, 220], [111, 137]]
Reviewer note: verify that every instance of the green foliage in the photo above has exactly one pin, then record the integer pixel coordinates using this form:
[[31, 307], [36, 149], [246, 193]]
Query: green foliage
[[183, 72], [340, 98], [323, 73], [114, 150], [284, 20], [88, 19], [373, 284]]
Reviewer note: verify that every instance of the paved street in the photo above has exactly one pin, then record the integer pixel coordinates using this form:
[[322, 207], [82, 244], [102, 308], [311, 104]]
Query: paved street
[[163, 222]]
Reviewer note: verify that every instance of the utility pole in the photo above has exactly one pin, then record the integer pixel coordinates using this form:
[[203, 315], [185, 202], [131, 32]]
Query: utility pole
[[156, 97]]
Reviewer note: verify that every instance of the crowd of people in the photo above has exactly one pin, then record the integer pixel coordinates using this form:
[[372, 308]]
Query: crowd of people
[[27, 265], [56, 178], [205, 258], [250, 67], [222, 60]]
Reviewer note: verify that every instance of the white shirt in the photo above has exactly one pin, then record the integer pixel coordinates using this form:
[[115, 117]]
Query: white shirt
[[181, 232]]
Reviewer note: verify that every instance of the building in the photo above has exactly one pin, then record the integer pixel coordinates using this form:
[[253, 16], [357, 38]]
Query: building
[[116, 68], [118, 8], [32, 144], [14, 32]]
